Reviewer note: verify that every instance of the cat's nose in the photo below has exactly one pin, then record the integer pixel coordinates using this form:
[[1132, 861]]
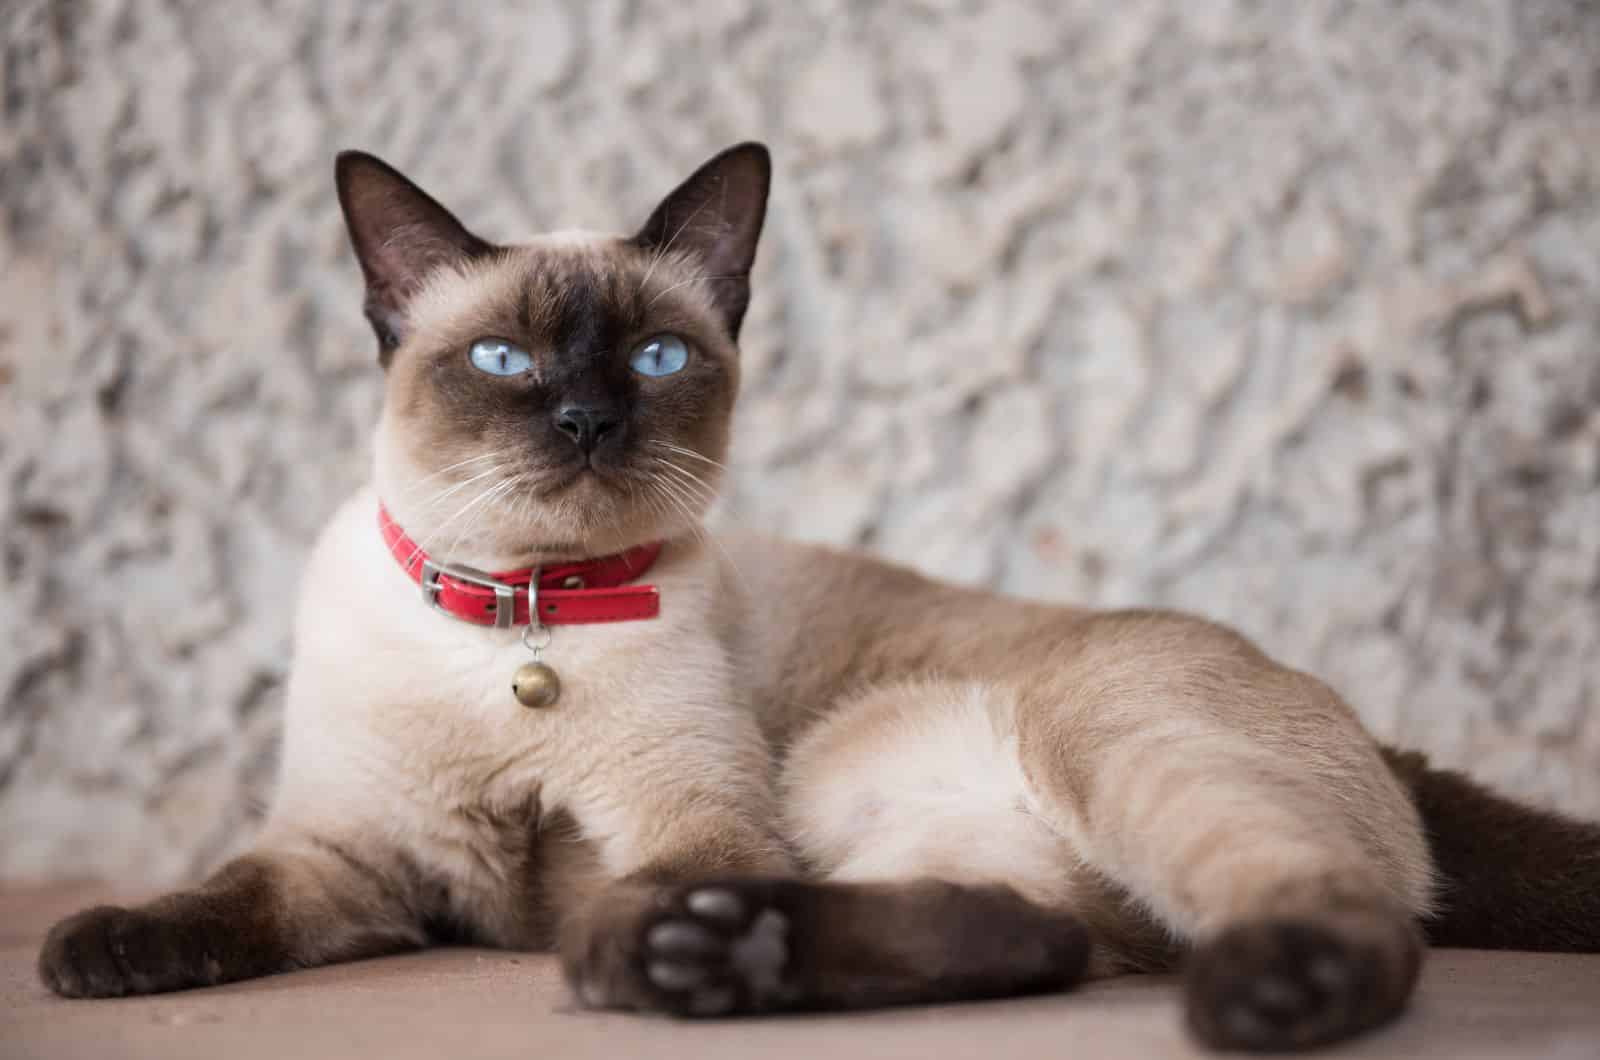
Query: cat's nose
[[586, 424]]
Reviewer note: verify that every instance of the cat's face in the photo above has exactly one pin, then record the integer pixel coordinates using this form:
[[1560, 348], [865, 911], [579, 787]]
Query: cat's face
[[566, 397]]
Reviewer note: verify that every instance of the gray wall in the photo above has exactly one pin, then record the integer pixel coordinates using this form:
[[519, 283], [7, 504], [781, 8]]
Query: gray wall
[[1288, 313]]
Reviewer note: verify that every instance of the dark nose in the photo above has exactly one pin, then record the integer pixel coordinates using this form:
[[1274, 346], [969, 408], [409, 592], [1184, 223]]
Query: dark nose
[[585, 424]]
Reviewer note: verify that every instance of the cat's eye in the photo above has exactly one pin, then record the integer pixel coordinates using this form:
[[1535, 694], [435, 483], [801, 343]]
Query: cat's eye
[[662, 355], [499, 357]]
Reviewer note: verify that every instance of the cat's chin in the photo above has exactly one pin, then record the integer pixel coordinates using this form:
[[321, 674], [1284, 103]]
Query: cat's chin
[[585, 514], [531, 552]]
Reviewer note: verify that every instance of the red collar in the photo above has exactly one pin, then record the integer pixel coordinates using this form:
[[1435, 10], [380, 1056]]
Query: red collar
[[591, 590]]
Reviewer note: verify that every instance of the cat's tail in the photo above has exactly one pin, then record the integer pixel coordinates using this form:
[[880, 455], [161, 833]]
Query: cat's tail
[[1511, 877]]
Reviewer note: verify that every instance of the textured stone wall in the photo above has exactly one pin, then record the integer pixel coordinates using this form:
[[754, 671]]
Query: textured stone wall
[[1288, 313]]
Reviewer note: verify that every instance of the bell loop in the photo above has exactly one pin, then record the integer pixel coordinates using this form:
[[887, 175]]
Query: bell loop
[[532, 630]]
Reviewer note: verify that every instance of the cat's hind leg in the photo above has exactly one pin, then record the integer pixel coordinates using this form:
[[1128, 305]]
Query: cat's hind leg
[[1241, 803]]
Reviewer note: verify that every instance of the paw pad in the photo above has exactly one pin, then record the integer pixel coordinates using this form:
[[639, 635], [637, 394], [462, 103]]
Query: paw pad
[[719, 954], [714, 903]]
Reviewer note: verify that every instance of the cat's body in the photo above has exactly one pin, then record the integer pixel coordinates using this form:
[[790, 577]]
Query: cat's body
[[813, 779], [899, 725]]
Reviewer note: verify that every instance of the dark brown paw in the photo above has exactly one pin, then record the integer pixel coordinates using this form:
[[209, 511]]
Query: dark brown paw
[[712, 949], [1297, 983], [112, 952], [727, 947], [720, 948]]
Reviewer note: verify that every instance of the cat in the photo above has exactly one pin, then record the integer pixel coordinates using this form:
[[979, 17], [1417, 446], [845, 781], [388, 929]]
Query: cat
[[741, 776]]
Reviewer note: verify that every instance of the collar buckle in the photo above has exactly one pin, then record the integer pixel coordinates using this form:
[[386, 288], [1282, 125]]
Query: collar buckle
[[505, 596]]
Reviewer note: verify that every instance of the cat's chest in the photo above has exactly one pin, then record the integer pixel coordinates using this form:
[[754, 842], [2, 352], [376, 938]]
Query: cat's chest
[[411, 716], [430, 698], [451, 714]]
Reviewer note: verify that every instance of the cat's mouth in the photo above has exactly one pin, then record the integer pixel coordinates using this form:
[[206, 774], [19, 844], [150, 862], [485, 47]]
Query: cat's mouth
[[583, 477], [561, 484]]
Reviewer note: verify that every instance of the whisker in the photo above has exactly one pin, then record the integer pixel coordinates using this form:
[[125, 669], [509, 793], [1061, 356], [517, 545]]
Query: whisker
[[668, 246], [432, 537], [449, 491], [684, 283], [411, 489], [669, 447], [459, 463], [696, 525], [710, 490], [656, 510], [669, 492], [438, 499], [426, 538], [698, 487], [485, 503]]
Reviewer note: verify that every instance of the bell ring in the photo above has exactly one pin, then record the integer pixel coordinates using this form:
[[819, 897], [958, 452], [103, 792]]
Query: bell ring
[[536, 685]]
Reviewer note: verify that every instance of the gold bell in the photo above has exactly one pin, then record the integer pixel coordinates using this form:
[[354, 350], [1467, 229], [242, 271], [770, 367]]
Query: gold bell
[[536, 685]]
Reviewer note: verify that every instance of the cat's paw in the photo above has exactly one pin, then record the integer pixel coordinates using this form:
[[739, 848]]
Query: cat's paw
[[700, 950], [111, 952], [723, 948], [1297, 983]]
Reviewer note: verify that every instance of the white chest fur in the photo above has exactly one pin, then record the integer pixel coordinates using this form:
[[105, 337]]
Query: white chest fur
[[402, 719]]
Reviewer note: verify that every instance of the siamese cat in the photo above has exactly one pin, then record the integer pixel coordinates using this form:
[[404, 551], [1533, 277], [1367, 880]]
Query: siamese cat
[[740, 776]]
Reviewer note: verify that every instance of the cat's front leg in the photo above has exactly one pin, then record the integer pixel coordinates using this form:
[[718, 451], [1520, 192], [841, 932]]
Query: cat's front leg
[[683, 795], [312, 901], [749, 945], [608, 948]]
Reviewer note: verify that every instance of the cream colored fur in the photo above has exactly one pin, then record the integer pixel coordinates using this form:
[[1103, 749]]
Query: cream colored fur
[[1139, 783], [401, 728], [1102, 758], [1150, 772]]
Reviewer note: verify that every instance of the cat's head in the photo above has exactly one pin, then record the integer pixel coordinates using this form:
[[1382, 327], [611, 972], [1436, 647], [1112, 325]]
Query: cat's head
[[569, 396]]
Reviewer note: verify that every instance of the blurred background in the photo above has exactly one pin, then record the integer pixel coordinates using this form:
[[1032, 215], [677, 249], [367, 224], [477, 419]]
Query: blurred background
[[1286, 313]]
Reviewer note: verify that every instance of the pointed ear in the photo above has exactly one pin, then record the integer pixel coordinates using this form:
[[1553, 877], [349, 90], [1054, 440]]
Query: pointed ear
[[716, 215], [400, 235]]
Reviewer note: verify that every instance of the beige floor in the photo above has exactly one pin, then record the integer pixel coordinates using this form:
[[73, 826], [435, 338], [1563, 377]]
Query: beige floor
[[465, 1004]]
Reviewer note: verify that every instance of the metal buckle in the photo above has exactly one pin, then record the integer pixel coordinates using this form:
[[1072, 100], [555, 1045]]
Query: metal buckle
[[505, 596]]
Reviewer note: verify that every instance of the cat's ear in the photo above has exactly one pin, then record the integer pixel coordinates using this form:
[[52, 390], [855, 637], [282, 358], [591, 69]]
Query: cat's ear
[[716, 216], [400, 235]]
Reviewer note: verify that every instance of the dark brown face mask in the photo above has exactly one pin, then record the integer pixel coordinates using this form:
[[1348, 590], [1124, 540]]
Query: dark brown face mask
[[597, 374]]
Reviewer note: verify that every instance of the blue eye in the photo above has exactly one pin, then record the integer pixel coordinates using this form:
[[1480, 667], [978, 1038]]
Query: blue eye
[[499, 357], [662, 355]]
